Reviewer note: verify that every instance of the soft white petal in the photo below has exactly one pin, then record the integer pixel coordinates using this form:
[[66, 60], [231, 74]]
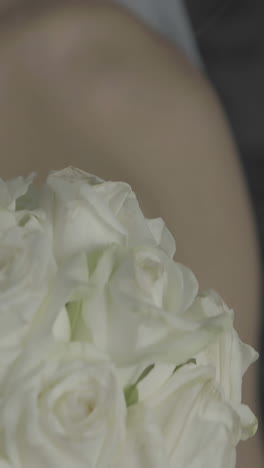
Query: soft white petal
[[82, 220], [249, 356], [162, 236], [197, 424], [61, 329], [249, 422], [145, 446], [154, 380]]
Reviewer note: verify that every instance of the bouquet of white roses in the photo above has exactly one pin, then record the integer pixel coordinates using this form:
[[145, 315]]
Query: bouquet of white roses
[[110, 356]]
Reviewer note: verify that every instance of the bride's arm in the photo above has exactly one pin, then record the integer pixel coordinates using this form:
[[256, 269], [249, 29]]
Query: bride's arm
[[90, 86]]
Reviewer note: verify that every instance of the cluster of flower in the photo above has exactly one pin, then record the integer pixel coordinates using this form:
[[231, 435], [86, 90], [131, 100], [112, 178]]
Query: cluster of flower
[[110, 356]]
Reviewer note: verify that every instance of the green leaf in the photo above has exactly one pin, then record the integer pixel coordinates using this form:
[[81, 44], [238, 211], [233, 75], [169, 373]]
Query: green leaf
[[131, 391], [145, 373], [131, 395], [191, 361]]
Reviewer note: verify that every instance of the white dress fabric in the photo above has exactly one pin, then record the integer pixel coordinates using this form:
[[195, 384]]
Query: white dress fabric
[[170, 18]]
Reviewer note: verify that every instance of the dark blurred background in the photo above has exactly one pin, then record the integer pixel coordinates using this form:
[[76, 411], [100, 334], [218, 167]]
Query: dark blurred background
[[230, 36]]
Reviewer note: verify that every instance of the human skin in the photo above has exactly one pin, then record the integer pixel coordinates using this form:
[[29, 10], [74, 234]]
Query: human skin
[[91, 86]]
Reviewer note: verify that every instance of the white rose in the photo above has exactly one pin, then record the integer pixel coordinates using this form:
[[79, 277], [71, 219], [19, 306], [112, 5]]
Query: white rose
[[88, 213], [137, 309], [67, 411], [31, 285], [195, 414], [227, 356], [230, 358], [186, 423], [27, 267], [51, 322]]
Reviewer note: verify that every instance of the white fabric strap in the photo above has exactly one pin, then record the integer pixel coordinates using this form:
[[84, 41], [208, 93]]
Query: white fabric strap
[[170, 18]]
